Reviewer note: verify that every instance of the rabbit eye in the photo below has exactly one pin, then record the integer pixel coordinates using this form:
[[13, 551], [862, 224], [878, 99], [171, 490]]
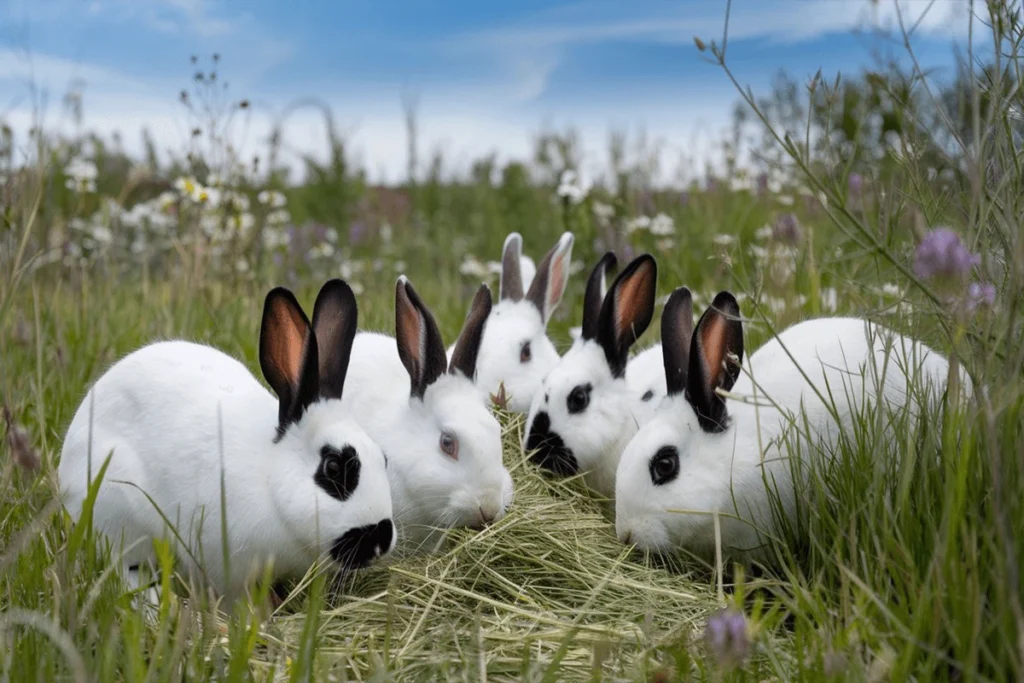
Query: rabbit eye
[[339, 471], [664, 465], [579, 398], [449, 444], [525, 354]]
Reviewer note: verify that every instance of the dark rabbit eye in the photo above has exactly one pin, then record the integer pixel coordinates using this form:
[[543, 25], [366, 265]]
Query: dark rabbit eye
[[449, 444], [338, 473], [664, 465], [525, 354], [579, 398]]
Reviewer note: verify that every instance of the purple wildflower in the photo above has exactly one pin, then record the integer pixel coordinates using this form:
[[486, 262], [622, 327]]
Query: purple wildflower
[[856, 184], [786, 229], [980, 294], [356, 232], [762, 184], [941, 255], [726, 637]]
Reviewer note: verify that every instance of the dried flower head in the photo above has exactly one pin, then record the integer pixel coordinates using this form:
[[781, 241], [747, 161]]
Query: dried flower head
[[22, 453]]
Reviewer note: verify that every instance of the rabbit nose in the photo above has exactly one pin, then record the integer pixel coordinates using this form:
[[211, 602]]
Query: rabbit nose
[[487, 514]]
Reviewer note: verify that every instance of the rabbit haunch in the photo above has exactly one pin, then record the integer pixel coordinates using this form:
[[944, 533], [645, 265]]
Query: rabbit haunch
[[180, 420], [703, 454], [442, 442]]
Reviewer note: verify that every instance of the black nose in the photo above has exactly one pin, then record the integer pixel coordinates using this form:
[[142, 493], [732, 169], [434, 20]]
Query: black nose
[[549, 451], [360, 546]]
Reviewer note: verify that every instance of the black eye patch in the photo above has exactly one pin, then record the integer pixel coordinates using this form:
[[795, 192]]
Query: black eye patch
[[338, 473], [664, 466], [648, 395], [579, 398]]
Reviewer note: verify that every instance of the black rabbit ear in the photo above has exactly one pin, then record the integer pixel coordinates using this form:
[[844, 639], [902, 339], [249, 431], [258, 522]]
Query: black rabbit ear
[[419, 341], [511, 284], [288, 355], [594, 296], [715, 360], [467, 346], [552, 277], [627, 311], [676, 333], [335, 319]]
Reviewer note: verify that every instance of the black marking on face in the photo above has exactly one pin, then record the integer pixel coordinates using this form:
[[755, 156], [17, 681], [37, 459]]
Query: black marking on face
[[664, 466], [360, 546], [648, 395], [338, 473], [579, 398], [550, 452]]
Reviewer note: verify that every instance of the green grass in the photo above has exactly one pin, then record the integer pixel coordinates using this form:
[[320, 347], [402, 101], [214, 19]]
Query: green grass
[[902, 565]]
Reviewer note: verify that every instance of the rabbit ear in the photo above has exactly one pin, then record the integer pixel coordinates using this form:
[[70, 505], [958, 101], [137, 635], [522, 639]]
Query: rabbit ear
[[676, 331], [288, 355], [468, 344], [594, 296], [511, 284], [335, 318], [715, 362], [419, 341], [627, 311], [552, 277]]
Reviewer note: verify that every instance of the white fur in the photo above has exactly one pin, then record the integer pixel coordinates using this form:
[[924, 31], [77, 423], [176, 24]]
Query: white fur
[[839, 356], [178, 417], [513, 324], [430, 491], [616, 411]]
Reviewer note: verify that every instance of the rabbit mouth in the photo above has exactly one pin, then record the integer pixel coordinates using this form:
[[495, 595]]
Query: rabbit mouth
[[549, 451], [359, 547]]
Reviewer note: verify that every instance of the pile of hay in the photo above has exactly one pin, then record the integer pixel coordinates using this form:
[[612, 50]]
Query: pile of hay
[[548, 585]]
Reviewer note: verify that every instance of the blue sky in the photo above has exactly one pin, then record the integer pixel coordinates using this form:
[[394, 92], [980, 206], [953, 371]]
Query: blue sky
[[487, 75]]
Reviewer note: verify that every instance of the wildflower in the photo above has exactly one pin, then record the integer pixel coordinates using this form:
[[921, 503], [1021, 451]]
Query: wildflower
[[784, 199], [472, 266], [786, 229], [603, 212], [241, 223], [187, 186], [662, 226], [242, 266], [979, 294], [666, 244], [356, 232], [891, 289], [81, 175], [214, 180], [272, 198], [322, 250], [829, 299], [723, 240], [274, 238], [726, 637], [278, 217], [386, 233], [571, 187], [166, 200], [856, 183], [763, 233], [638, 223], [942, 256], [741, 182]]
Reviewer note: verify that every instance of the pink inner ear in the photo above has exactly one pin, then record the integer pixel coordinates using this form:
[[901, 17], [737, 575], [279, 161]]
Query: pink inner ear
[[557, 281], [628, 300], [412, 328], [712, 346]]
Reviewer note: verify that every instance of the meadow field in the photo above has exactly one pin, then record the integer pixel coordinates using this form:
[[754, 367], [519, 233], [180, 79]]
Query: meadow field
[[884, 195]]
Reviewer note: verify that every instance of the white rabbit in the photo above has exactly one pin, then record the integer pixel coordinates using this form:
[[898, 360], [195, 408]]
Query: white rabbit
[[516, 350], [592, 403], [179, 419], [696, 457], [442, 442]]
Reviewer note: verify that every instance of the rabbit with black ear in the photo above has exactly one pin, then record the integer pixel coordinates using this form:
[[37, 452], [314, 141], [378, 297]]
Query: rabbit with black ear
[[592, 403], [442, 442], [703, 454], [179, 420], [515, 350]]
